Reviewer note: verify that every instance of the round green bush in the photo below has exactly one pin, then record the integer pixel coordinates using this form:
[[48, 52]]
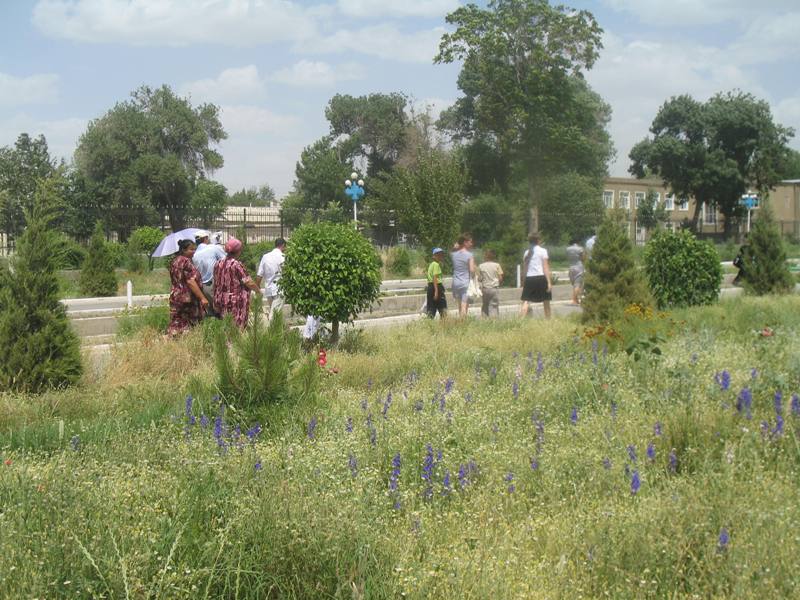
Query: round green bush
[[682, 270], [331, 271]]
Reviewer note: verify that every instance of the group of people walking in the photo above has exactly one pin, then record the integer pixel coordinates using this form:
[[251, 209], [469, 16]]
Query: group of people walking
[[209, 280], [471, 282]]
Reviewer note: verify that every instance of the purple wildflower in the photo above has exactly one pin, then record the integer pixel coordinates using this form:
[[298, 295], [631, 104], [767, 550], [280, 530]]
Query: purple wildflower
[[446, 483], [353, 464], [218, 427], [442, 404], [394, 478], [312, 427], [636, 483], [744, 402], [364, 404], [462, 476], [725, 381], [632, 452], [594, 352], [386, 405], [468, 397], [373, 434], [778, 430], [427, 471], [753, 373], [607, 463], [764, 428], [539, 364], [723, 540], [510, 479], [189, 402], [534, 463], [795, 405], [493, 374], [75, 443], [448, 385], [253, 432], [573, 416], [369, 384], [515, 389], [257, 466], [657, 429], [203, 421], [673, 461], [613, 410], [348, 426], [651, 452], [778, 403]]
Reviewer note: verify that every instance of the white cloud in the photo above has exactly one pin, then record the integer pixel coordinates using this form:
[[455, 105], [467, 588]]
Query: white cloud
[[242, 84], [433, 106], [175, 22], [22, 91], [366, 9], [248, 162], [255, 120], [315, 73], [382, 41], [768, 38], [695, 12], [61, 134]]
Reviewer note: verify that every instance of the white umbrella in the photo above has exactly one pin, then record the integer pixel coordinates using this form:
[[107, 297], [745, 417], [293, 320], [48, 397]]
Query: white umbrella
[[169, 245]]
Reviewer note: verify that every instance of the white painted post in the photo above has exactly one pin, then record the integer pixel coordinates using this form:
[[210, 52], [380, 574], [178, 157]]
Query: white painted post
[[519, 275], [355, 215], [130, 293]]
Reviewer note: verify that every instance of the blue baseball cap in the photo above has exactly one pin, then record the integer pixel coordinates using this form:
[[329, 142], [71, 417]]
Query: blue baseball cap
[[436, 250]]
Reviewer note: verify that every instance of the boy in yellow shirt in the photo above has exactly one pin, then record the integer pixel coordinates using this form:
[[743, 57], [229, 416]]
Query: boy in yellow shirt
[[436, 302]]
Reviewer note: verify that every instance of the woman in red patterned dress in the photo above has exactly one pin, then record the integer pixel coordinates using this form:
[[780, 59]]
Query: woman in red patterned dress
[[187, 304], [232, 285]]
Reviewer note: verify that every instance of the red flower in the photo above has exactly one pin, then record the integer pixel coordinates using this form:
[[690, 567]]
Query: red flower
[[322, 357], [7, 462], [767, 332]]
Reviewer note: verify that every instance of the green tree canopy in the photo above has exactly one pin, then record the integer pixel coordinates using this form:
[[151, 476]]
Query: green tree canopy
[[524, 94], [714, 151], [572, 206], [207, 202], [331, 271], [252, 196], [427, 197], [319, 179], [375, 125], [22, 168], [148, 152]]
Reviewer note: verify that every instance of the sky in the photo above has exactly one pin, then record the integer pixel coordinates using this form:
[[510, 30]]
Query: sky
[[272, 65]]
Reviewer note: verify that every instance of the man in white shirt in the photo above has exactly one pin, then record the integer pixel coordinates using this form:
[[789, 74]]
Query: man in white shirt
[[268, 273]]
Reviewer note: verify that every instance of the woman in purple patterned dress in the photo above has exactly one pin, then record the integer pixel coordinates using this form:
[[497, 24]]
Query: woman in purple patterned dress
[[232, 285], [187, 304]]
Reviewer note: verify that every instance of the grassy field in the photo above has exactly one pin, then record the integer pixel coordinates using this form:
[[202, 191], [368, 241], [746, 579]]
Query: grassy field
[[510, 459]]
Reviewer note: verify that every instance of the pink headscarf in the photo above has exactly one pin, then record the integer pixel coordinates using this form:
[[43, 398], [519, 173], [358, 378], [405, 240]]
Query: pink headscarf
[[232, 246]]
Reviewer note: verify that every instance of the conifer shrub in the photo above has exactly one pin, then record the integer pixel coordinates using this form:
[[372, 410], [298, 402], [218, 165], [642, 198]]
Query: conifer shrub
[[331, 271], [39, 348], [97, 274], [612, 281], [764, 256], [262, 365], [682, 270]]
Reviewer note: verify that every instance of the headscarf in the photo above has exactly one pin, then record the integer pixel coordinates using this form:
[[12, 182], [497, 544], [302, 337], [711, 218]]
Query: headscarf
[[232, 246]]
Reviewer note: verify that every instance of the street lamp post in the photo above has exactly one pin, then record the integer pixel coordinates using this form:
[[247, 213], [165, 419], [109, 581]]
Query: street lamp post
[[354, 187]]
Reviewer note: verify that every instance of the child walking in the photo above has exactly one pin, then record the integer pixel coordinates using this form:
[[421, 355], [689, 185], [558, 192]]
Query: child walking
[[490, 274], [436, 302]]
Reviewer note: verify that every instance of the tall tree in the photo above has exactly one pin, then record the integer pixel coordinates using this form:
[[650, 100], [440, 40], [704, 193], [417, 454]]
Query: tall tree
[[427, 197], [148, 152], [22, 168], [252, 196], [523, 62], [375, 124], [714, 151], [321, 172]]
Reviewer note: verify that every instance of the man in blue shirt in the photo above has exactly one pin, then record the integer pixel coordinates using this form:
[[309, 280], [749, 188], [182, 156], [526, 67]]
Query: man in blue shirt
[[205, 257]]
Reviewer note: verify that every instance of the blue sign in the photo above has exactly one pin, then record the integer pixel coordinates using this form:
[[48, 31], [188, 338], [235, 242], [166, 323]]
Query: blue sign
[[750, 201], [355, 191]]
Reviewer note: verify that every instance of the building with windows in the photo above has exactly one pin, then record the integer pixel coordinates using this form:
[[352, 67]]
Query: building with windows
[[628, 193]]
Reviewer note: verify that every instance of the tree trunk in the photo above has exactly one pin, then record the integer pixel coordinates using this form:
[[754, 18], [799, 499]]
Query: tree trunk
[[177, 218], [334, 331], [533, 196], [696, 216]]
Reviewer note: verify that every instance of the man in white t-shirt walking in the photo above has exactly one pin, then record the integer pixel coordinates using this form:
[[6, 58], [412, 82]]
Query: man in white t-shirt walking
[[268, 273], [538, 284]]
